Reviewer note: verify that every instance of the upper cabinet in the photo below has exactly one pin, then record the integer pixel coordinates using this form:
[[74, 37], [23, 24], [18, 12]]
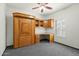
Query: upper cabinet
[[39, 23], [45, 23], [36, 23], [49, 23], [52, 23]]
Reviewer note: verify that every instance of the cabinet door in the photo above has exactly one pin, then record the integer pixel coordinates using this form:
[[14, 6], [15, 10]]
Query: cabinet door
[[22, 32], [45, 24], [49, 23], [25, 32], [36, 23], [51, 38], [37, 38], [41, 23], [52, 23]]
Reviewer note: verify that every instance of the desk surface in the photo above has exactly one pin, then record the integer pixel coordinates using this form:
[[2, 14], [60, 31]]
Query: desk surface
[[45, 34]]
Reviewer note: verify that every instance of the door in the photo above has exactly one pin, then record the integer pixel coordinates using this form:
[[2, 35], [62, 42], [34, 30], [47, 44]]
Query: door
[[23, 32]]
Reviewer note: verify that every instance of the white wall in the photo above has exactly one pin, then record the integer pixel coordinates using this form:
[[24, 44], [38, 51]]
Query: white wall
[[2, 29], [69, 26], [9, 14]]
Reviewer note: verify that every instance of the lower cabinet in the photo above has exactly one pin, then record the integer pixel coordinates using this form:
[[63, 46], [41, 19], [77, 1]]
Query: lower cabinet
[[51, 38], [37, 38]]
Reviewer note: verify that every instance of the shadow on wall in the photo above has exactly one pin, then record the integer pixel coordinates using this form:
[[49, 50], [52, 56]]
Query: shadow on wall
[[9, 30]]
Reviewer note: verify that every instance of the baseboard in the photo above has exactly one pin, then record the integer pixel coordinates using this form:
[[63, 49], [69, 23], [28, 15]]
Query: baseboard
[[3, 52], [8, 47], [66, 45]]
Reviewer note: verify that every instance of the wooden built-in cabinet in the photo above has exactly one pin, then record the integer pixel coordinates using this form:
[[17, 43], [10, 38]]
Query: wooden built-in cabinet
[[24, 30]]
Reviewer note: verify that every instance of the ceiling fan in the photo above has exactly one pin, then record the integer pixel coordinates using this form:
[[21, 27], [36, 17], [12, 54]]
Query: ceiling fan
[[42, 5]]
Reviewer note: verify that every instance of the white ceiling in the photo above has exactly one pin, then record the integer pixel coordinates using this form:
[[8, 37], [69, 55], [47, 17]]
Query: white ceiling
[[29, 6]]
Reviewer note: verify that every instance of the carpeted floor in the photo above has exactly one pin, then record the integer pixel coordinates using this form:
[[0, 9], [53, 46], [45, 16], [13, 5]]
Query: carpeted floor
[[42, 49]]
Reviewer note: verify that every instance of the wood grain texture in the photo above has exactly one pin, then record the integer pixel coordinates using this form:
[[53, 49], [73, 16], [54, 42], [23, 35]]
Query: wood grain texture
[[51, 38], [24, 30], [49, 23], [15, 32]]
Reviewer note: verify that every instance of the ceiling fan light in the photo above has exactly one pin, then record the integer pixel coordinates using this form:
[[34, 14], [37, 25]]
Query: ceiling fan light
[[42, 10]]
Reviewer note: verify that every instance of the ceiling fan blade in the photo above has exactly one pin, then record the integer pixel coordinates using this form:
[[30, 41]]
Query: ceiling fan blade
[[42, 4], [42, 10], [38, 3], [48, 7], [46, 3], [35, 7]]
